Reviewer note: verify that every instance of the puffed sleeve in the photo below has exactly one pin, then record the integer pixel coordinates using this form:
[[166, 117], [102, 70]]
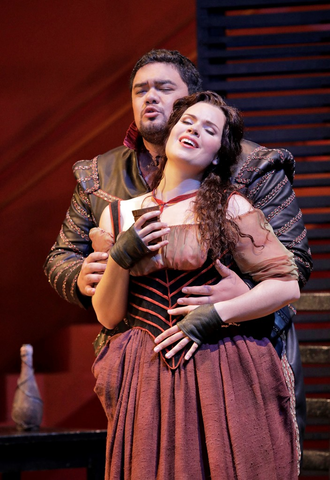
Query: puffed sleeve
[[266, 257], [102, 241]]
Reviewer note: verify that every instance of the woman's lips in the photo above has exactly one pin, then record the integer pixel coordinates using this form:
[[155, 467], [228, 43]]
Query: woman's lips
[[188, 142]]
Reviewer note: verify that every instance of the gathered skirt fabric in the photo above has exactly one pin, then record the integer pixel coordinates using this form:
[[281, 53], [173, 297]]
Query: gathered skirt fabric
[[222, 415]]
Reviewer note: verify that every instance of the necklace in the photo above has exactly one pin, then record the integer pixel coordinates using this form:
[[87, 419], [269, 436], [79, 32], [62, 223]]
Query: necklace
[[173, 201]]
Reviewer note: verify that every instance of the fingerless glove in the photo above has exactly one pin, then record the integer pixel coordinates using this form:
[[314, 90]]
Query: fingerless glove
[[128, 249], [201, 324]]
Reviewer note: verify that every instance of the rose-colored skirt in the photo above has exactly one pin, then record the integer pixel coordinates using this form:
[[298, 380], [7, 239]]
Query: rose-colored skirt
[[223, 415]]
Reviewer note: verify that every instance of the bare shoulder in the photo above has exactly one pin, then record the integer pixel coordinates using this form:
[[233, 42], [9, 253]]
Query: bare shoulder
[[238, 205], [105, 221], [126, 216]]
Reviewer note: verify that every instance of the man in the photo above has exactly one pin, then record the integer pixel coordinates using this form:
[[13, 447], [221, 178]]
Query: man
[[265, 176]]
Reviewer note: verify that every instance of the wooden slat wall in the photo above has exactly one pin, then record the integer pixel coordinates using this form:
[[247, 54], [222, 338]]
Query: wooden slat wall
[[271, 59]]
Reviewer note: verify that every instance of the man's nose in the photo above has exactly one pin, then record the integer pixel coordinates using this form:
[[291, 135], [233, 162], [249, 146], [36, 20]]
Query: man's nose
[[152, 96]]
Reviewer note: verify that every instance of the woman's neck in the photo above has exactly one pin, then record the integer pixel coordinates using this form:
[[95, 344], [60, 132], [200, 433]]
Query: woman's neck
[[174, 183]]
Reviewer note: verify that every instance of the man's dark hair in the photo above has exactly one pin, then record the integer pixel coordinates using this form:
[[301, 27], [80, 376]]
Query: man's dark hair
[[187, 70]]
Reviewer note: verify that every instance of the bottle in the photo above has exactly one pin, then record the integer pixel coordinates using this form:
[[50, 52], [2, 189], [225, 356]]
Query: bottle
[[27, 405]]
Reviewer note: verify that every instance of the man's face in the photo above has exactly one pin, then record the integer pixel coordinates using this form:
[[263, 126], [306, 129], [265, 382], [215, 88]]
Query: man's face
[[156, 86]]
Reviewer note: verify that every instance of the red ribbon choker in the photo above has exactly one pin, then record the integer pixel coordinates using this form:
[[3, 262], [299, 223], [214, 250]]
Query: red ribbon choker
[[174, 200]]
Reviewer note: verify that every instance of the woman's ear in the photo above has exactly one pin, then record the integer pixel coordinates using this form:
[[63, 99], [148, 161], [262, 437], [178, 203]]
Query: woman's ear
[[215, 161]]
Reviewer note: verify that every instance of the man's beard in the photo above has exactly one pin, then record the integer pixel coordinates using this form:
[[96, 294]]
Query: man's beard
[[153, 133]]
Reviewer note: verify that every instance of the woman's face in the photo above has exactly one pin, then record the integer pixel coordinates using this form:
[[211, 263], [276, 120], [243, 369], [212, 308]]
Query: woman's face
[[195, 140]]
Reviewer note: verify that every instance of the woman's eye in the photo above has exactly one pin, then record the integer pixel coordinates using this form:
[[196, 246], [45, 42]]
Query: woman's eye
[[211, 132], [186, 121]]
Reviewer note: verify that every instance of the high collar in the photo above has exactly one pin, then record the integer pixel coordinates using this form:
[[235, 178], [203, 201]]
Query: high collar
[[132, 138]]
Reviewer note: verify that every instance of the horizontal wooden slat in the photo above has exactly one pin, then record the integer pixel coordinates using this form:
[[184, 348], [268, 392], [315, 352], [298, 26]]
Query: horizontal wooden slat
[[316, 218], [321, 201], [321, 372], [316, 182], [303, 317], [277, 102], [314, 301], [253, 84], [319, 301], [320, 248], [312, 389], [220, 56], [217, 19], [272, 67], [281, 119], [213, 38], [318, 407], [317, 284], [316, 460], [321, 265], [312, 167], [289, 135], [314, 335], [309, 150], [256, 3], [316, 435]]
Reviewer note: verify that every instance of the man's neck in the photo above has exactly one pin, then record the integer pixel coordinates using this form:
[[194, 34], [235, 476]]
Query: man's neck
[[154, 150]]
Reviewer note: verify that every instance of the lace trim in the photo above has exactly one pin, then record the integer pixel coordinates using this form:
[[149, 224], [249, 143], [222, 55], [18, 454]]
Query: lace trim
[[289, 380]]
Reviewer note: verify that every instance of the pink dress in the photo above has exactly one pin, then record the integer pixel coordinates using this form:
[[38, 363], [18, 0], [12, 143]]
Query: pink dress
[[225, 414]]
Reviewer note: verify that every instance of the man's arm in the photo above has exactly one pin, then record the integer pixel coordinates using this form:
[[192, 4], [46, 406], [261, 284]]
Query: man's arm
[[65, 259], [265, 178]]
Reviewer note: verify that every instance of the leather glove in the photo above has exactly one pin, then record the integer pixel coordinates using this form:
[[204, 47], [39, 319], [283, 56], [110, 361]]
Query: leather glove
[[128, 249], [201, 324]]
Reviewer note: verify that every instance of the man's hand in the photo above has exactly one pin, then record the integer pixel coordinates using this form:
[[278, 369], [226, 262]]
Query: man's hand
[[91, 272], [230, 286]]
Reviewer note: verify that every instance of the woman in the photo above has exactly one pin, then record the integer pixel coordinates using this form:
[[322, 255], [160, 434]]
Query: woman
[[202, 396]]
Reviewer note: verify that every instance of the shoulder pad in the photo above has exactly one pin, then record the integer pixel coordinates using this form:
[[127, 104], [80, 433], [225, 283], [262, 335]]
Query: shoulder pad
[[256, 160], [86, 173]]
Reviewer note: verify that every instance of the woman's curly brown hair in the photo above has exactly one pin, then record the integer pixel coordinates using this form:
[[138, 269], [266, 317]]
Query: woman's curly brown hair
[[212, 196]]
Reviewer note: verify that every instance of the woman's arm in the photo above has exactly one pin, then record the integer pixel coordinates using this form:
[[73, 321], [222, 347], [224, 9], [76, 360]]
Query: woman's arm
[[110, 298], [265, 259], [265, 298]]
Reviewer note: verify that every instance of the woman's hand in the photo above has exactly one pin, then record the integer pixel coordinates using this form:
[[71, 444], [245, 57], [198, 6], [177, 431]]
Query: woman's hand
[[133, 244], [152, 231], [199, 326], [173, 335]]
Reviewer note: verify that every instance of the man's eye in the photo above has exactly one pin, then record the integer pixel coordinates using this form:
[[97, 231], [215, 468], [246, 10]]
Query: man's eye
[[140, 92]]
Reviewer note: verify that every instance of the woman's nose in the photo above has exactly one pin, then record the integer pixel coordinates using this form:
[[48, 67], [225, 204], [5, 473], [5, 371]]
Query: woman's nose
[[193, 130]]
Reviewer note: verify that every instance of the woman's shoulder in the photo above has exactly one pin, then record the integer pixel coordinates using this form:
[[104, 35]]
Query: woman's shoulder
[[238, 205], [134, 203], [128, 206]]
